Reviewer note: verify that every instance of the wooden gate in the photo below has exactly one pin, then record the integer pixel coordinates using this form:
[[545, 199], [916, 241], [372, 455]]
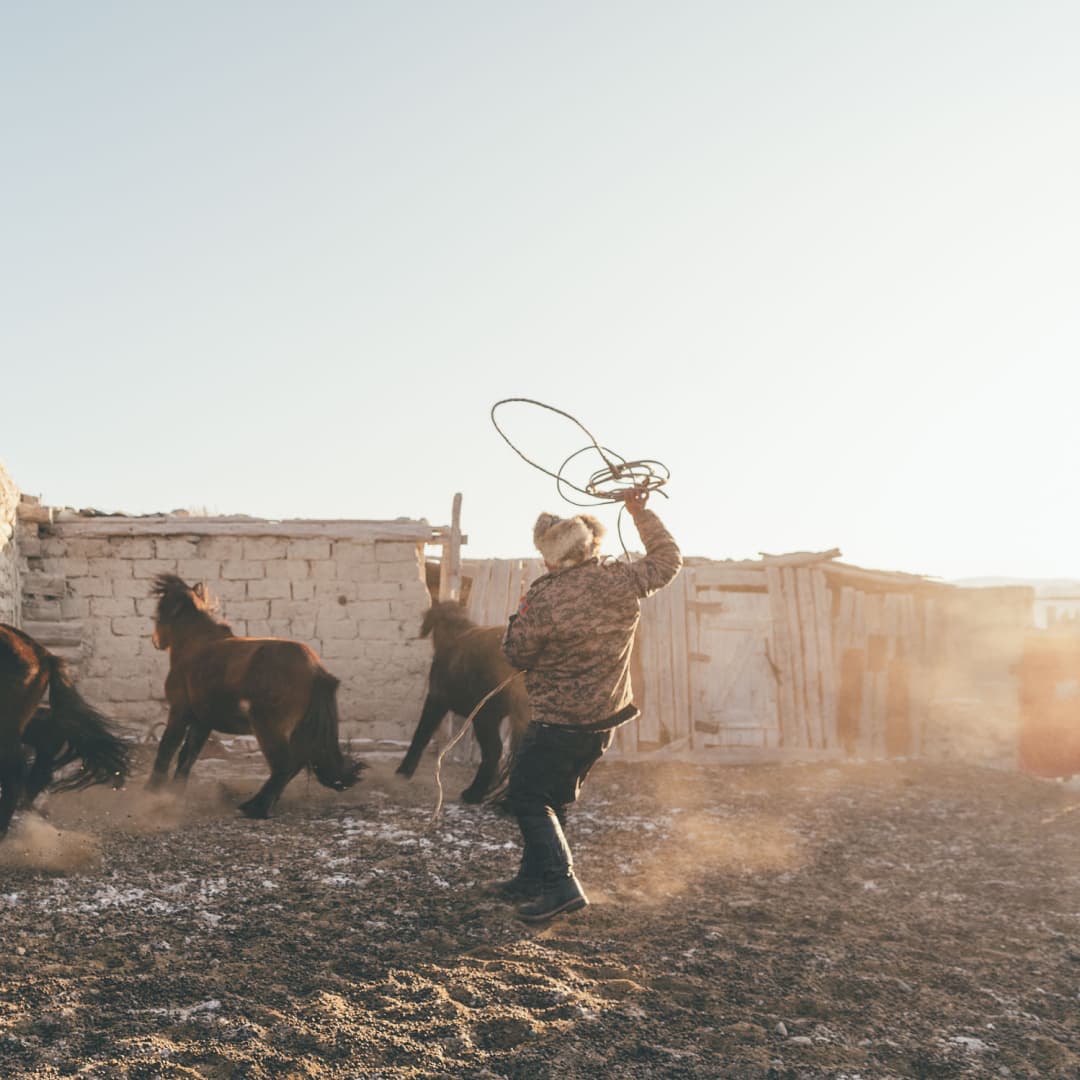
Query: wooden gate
[[707, 679]]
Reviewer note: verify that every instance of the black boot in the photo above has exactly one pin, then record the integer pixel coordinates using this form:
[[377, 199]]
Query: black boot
[[527, 883], [561, 892], [560, 896]]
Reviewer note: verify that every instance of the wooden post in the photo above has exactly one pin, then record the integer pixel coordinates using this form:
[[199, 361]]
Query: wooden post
[[798, 657], [682, 725], [808, 622], [826, 658], [450, 568], [783, 657]]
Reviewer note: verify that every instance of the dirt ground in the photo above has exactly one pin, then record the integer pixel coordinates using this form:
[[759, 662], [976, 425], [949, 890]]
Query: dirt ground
[[849, 921]]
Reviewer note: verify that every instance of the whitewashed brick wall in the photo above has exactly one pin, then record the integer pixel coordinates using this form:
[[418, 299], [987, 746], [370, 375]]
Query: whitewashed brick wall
[[358, 602]]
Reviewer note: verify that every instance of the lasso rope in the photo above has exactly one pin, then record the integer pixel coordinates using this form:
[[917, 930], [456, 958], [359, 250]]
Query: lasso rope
[[606, 486], [457, 738]]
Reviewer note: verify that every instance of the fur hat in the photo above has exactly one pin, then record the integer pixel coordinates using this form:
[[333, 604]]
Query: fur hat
[[566, 542]]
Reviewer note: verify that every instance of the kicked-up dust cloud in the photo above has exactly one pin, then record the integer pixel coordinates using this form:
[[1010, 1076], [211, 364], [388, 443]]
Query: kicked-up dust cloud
[[34, 844]]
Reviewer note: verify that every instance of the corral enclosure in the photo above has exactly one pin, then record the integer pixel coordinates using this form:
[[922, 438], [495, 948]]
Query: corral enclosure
[[797, 656], [791, 919]]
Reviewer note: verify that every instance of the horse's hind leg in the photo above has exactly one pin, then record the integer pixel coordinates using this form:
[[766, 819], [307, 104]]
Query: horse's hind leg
[[262, 802], [12, 771], [430, 718], [37, 779], [283, 768], [173, 735], [190, 751], [46, 742], [486, 730]]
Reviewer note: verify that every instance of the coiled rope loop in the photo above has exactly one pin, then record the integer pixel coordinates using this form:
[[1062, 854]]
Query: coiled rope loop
[[605, 486]]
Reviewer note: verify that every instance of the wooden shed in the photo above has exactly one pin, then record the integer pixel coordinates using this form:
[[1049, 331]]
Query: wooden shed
[[803, 656]]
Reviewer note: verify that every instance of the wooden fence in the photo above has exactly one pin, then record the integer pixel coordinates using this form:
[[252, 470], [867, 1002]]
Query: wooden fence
[[790, 656]]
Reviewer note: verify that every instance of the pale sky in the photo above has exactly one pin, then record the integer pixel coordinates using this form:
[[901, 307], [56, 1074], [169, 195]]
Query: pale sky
[[823, 260]]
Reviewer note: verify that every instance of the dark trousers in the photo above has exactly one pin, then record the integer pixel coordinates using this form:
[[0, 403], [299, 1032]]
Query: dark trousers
[[545, 778]]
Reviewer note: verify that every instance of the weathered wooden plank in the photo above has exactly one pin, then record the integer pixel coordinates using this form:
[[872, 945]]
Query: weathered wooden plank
[[733, 671], [893, 603], [918, 685], [450, 575], [733, 755], [651, 630], [858, 621], [881, 580], [501, 605], [721, 576], [666, 672], [881, 687], [680, 667], [811, 655], [916, 701], [830, 673], [709, 605], [478, 597], [800, 558], [695, 676], [842, 627], [865, 741], [791, 609], [782, 657]]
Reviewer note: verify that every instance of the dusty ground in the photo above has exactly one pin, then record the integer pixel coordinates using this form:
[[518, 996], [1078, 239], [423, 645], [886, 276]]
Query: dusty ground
[[800, 921]]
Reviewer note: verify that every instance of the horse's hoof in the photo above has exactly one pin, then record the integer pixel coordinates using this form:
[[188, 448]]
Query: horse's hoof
[[472, 796], [405, 770], [256, 812]]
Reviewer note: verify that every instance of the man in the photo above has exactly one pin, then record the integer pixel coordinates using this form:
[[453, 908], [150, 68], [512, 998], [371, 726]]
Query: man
[[573, 635]]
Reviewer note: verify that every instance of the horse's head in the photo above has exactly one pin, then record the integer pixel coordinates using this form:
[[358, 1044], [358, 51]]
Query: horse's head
[[445, 615], [176, 601]]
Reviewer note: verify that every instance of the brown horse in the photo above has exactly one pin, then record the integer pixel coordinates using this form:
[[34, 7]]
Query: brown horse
[[69, 730], [275, 688], [468, 663]]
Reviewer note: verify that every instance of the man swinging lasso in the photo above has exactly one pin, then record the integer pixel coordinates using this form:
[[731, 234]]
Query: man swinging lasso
[[573, 635]]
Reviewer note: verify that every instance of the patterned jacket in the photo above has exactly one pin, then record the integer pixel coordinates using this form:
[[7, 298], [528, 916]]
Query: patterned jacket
[[575, 629]]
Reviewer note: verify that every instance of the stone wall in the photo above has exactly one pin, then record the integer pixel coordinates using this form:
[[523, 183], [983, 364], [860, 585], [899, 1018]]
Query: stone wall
[[355, 593], [9, 581]]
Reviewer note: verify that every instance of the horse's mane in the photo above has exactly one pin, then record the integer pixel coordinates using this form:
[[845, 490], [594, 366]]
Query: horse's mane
[[176, 599], [446, 616]]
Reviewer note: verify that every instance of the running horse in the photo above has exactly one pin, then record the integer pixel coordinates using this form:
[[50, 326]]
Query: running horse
[[468, 665], [275, 688], [67, 730]]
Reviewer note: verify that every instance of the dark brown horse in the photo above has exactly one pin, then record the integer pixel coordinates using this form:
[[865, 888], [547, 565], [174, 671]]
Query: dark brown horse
[[68, 730], [468, 663], [276, 688]]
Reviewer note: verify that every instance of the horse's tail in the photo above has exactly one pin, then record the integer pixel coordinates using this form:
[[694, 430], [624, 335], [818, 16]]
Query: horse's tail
[[89, 736], [316, 737]]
